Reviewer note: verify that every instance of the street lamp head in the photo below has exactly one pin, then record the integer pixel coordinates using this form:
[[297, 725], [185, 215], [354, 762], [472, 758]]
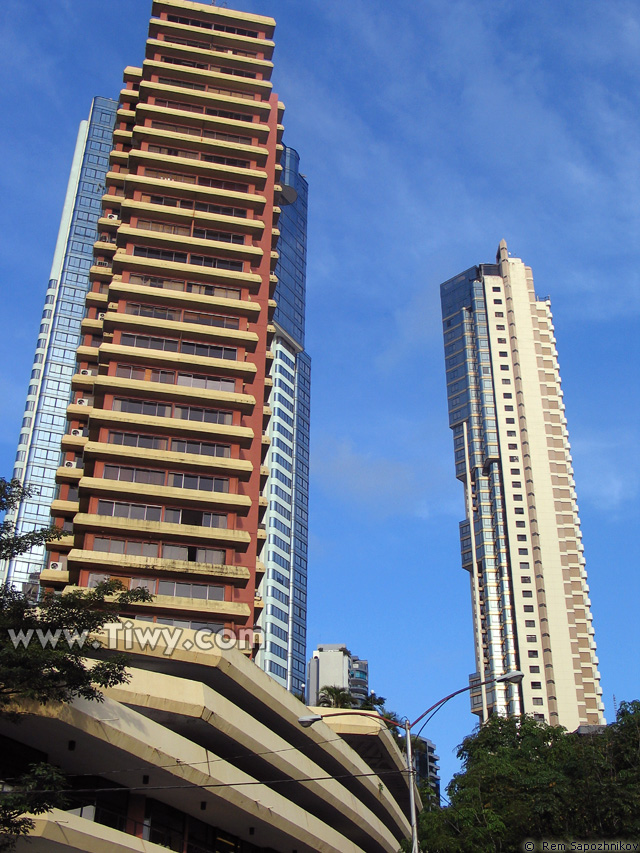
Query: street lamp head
[[309, 720], [514, 676]]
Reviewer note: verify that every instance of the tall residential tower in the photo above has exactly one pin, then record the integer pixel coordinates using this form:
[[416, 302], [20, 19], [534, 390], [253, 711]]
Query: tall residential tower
[[184, 465], [521, 540]]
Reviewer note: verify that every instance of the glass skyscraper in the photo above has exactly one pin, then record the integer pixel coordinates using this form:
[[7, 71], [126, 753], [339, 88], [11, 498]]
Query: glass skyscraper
[[44, 421], [284, 588]]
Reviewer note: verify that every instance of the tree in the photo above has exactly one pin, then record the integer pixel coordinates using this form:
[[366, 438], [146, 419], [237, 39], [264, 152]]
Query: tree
[[373, 702], [335, 697], [522, 779], [11, 493], [43, 649]]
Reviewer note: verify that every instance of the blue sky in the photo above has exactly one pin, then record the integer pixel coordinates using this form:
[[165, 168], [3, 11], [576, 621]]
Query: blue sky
[[428, 132]]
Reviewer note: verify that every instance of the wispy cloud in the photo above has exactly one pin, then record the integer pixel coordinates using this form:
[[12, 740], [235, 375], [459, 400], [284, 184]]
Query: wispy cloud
[[608, 470]]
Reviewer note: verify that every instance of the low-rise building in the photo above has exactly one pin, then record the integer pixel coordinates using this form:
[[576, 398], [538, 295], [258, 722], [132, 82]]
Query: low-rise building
[[202, 752]]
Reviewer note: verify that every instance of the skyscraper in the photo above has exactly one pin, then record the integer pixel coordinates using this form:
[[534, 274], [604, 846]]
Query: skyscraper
[[284, 590], [44, 420], [521, 540], [183, 458]]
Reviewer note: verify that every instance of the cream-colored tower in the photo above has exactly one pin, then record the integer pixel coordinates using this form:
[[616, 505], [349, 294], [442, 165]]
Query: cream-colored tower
[[521, 540]]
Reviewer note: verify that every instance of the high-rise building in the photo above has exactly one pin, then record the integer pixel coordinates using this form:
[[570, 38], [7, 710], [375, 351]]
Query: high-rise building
[[426, 764], [284, 590], [185, 457], [333, 665], [44, 421], [521, 540]]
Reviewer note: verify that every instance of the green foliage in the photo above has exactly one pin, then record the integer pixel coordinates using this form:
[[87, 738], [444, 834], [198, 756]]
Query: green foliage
[[373, 702], [52, 671], [58, 671], [335, 697], [11, 493], [36, 791], [524, 779]]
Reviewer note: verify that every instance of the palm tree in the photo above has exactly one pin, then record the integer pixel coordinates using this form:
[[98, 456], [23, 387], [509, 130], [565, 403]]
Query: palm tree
[[335, 697], [374, 703]]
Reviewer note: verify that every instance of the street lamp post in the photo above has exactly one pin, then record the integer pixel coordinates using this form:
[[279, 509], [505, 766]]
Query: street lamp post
[[512, 677]]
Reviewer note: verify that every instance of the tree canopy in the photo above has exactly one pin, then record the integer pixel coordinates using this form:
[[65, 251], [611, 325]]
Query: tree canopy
[[43, 658], [11, 493], [523, 779], [331, 696]]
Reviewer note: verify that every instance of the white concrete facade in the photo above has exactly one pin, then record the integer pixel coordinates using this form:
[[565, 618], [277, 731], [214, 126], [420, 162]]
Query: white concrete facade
[[521, 540]]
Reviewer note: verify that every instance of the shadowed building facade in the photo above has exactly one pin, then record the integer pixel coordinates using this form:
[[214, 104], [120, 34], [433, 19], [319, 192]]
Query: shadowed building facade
[[521, 541], [176, 428]]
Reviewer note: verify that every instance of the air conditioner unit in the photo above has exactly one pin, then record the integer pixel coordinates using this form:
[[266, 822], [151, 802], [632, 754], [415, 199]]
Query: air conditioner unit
[[112, 216], [101, 315], [85, 372], [76, 432], [55, 566], [82, 401], [69, 464]]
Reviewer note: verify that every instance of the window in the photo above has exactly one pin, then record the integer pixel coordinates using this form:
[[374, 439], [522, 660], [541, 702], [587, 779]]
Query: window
[[537, 700], [528, 608], [526, 593], [503, 354], [125, 510], [504, 367], [523, 551], [534, 669], [499, 314], [200, 448], [507, 395], [500, 327], [128, 439], [496, 289], [180, 589], [515, 484], [506, 381], [529, 623], [194, 517], [531, 638], [520, 523], [515, 470], [536, 685], [502, 340], [522, 537], [134, 475], [200, 483], [532, 653], [525, 579], [509, 409]]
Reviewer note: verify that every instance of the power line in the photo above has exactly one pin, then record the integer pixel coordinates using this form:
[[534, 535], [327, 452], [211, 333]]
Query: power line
[[178, 763], [212, 785]]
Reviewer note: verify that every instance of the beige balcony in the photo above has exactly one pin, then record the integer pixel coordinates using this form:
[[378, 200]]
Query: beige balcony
[[135, 566], [122, 490]]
